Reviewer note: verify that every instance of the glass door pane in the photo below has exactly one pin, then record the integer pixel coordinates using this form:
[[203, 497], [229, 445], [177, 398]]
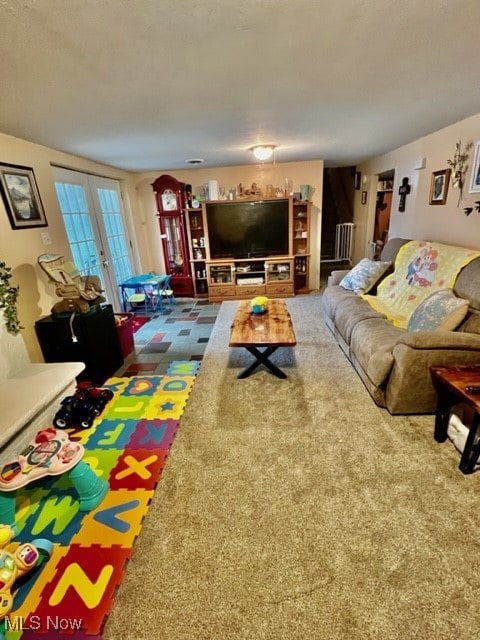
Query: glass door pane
[[109, 204], [76, 219], [93, 219]]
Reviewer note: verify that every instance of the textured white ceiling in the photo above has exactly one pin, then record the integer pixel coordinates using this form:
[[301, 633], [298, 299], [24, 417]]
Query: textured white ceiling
[[147, 84]]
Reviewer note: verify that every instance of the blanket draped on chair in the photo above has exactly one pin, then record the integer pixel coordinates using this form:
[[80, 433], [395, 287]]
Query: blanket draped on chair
[[420, 269]]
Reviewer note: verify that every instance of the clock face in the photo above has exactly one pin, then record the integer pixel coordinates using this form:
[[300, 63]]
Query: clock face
[[169, 200]]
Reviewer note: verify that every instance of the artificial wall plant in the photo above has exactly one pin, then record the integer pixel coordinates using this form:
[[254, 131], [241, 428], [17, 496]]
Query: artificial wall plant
[[8, 300]]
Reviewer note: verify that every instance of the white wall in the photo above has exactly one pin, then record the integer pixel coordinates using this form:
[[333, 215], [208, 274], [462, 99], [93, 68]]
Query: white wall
[[20, 248], [421, 220]]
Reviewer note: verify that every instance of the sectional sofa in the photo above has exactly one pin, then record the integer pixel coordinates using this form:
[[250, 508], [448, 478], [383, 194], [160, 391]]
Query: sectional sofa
[[392, 356]]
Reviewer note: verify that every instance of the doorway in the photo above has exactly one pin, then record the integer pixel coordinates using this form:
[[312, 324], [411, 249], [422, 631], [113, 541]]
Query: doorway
[[93, 217], [383, 208], [337, 220]]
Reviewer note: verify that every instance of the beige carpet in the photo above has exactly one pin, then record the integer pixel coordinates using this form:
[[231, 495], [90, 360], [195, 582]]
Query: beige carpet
[[297, 509]]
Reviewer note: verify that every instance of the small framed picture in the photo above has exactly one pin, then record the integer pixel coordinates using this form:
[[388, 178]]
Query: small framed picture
[[21, 197], [475, 179], [439, 186]]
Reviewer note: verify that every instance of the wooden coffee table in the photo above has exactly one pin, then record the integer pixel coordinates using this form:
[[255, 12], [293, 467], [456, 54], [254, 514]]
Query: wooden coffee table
[[451, 386], [270, 330]]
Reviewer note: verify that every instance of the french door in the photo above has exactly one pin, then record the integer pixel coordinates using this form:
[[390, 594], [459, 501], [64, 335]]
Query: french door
[[93, 216]]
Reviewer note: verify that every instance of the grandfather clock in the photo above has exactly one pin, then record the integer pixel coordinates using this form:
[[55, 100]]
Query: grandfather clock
[[170, 199]]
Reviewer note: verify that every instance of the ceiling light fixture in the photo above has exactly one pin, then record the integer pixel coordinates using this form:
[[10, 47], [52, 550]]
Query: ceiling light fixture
[[263, 151]]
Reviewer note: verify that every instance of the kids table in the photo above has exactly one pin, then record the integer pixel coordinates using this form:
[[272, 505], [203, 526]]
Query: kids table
[[146, 289]]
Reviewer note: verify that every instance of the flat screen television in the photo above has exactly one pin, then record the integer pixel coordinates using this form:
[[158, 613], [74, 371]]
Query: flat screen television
[[248, 229]]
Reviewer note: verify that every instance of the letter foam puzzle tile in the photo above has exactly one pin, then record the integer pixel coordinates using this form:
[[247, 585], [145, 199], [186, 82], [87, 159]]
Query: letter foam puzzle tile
[[71, 595]]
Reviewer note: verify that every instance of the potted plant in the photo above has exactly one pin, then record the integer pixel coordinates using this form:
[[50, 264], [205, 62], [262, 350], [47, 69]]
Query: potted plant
[[8, 300]]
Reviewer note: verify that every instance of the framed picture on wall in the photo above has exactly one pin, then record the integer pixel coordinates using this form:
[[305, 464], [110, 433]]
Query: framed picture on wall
[[21, 197], [475, 179], [439, 186]]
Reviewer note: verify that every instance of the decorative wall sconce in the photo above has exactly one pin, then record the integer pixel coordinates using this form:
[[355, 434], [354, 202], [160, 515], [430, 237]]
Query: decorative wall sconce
[[468, 210], [459, 165]]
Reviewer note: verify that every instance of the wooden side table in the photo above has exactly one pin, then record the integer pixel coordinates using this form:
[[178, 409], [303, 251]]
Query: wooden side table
[[450, 384]]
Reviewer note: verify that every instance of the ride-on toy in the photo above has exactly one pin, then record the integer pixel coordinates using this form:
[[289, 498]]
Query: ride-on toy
[[83, 407], [49, 453], [15, 564]]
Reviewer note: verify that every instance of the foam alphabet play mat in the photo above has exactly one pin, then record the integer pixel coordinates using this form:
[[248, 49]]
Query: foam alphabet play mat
[[71, 594]]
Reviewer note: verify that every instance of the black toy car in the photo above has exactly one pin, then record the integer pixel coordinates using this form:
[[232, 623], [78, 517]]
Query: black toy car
[[81, 409]]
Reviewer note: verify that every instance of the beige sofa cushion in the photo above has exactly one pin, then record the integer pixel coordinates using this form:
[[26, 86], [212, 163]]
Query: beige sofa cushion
[[466, 284], [390, 250], [372, 342], [332, 297], [471, 323], [350, 312]]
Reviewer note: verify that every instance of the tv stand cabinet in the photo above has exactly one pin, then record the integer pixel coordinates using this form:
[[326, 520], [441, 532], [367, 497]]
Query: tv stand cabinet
[[238, 279], [247, 278]]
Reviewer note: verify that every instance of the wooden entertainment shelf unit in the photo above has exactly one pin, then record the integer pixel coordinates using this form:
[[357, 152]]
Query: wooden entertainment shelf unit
[[278, 276]]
